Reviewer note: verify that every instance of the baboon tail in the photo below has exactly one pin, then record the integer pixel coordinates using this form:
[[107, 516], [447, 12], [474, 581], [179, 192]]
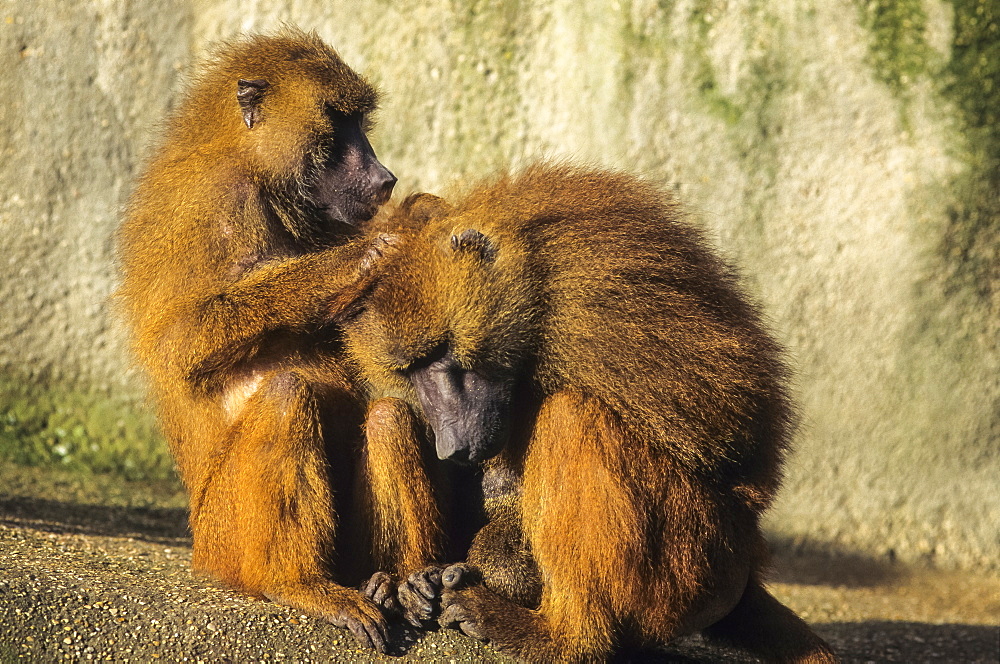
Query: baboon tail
[[765, 627]]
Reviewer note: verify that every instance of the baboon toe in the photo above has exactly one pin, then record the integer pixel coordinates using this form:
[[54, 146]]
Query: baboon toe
[[458, 576]]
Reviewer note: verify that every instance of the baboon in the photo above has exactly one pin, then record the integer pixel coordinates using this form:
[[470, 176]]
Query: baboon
[[239, 246], [566, 330]]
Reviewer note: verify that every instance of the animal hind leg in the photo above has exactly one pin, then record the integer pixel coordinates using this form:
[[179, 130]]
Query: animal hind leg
[[399, 498], [588, 568], [401, 516], [264, 518], [399, 506]]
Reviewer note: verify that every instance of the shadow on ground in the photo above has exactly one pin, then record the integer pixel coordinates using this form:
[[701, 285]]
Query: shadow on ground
[[870, 641], [821, 564], [161, 525], [885, 641]]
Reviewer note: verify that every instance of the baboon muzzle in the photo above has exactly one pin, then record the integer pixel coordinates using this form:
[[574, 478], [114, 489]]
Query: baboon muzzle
[[467, 410]]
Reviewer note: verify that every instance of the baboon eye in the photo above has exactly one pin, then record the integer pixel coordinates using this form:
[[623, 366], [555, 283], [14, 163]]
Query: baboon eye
[[339, 119], [422, 360]]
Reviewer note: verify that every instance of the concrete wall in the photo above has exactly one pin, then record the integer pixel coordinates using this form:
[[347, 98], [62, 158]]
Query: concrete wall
[[843, 153]]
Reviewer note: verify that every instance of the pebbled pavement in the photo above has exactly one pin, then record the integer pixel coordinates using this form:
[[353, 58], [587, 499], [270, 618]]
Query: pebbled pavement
[[94, 575]]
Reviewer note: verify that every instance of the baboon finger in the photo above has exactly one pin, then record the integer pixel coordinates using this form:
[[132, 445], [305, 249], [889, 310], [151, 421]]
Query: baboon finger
[[380, 589], [369, 633], [471, 628], [453, 614], [458, 616]]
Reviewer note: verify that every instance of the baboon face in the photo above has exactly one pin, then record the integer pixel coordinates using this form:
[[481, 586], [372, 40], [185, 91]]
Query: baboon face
[[351, 184], [452, 325], [467, 409], [309, 134]]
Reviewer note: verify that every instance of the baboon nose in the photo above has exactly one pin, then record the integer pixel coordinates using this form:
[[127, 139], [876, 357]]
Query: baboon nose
[[384, 187]]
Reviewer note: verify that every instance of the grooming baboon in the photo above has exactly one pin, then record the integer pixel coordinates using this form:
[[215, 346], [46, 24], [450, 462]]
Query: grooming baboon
[[238, 247], [570, 332]]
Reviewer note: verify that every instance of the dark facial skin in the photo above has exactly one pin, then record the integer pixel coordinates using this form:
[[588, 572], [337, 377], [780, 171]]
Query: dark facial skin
[[353, 183], [467, 410]]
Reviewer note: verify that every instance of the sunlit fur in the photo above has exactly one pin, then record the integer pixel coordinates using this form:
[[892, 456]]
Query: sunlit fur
[[650, 422], [229, 281]]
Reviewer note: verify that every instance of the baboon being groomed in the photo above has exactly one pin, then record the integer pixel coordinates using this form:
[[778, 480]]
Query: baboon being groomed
[[570, 332], [239, 246]]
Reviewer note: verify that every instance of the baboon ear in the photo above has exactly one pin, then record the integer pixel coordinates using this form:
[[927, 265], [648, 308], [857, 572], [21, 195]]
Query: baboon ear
[[250, 94], [471, 240]]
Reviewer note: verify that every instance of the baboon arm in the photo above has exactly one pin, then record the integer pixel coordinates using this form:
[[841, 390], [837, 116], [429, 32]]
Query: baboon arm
[[291, 295]]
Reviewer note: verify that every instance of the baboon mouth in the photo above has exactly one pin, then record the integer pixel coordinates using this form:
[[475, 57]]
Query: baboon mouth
[[367, 212], [464, 462], [353, 215], [333, 213]]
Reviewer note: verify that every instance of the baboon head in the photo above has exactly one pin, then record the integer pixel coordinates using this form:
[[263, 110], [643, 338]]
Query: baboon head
[[295, 115], [453, 325]]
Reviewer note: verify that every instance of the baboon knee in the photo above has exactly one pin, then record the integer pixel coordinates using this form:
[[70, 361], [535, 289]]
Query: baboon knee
[[388, 413]]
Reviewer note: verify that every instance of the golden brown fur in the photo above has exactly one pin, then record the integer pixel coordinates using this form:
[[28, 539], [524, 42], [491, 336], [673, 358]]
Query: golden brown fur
[[230, 276], [648, 421]]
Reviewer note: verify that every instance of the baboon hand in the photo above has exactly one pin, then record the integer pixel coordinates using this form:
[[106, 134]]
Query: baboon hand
[[380, 589], [460, 600], [419, 595], [382, 246]]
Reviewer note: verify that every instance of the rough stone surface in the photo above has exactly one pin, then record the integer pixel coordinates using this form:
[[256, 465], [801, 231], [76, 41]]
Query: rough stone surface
[[93, 570], [843, 153]]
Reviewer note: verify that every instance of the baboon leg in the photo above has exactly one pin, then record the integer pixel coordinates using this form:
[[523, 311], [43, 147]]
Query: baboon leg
[[583, 528], [401, 506], [469, 605], [499, 557], [531, 635], [767, 628], [263, 518], [502, 556]]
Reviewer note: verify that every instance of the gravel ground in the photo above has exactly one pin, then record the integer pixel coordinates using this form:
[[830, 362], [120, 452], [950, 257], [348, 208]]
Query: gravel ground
[[97, 569]]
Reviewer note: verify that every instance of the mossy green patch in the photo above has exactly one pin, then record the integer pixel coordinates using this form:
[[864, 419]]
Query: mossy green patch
[[725, 107], [486, 39], [642, 41], [78, 429], [899, 52], [750, 110], [969, 78], [975, 65], [971, 245]]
